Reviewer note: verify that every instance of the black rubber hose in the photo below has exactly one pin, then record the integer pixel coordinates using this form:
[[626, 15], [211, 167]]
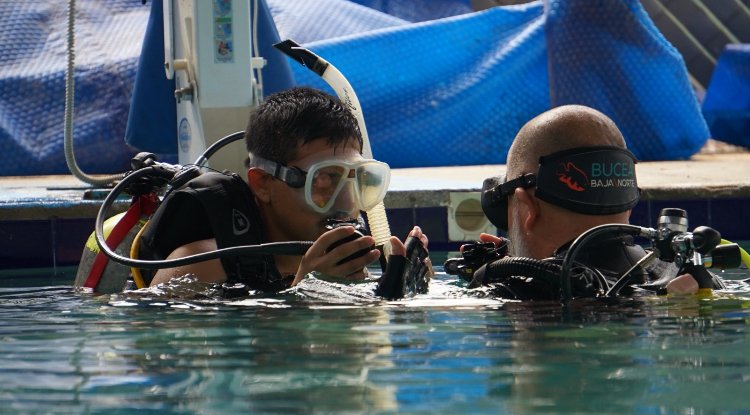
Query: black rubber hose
[[217, 146], [581, 241], [274, 248], [502, 269]]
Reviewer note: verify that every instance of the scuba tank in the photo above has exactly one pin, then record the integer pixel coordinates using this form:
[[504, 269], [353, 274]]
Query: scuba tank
[[95, 271], [122, 231]]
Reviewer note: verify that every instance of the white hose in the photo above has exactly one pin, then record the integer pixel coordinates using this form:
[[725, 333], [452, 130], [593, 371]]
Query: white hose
[[69, 100], [376, 216], [258, 72]]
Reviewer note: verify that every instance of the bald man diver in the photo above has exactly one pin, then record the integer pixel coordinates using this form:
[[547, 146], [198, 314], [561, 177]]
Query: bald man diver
[[568, 171]]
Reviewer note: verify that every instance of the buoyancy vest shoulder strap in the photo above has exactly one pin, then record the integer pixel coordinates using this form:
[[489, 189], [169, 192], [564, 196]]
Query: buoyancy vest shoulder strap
[[230, 208], [213, 205]]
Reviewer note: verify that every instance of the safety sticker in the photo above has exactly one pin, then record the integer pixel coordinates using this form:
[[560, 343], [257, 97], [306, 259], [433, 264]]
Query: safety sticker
[[223, 36], [184, 135]]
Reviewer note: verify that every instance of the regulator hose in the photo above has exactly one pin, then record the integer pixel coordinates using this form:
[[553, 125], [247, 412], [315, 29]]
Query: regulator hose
[[167, 172], [581, 241], [213, 148], [505, 268]]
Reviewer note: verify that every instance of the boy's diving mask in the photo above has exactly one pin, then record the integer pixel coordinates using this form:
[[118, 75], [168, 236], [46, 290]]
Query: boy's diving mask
[[588, 180], [364, 180]]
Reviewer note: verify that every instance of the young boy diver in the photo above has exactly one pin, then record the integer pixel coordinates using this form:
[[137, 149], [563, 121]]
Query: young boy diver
[[306, 176]]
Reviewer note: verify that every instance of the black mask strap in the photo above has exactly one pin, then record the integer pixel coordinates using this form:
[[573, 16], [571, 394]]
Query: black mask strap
[[590, 180], [495, 192]]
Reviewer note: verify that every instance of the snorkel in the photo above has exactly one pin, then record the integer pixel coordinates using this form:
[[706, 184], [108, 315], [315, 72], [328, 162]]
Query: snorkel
[[376, 216]]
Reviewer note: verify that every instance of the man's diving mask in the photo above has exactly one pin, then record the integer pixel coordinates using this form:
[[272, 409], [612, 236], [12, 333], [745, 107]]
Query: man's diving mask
[[364, 180], [589, 180]]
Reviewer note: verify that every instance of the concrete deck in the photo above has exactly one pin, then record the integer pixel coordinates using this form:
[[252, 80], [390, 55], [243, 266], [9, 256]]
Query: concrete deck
[[703, 177]]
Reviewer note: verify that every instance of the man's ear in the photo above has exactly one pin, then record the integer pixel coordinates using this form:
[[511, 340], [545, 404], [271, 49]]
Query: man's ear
[[529, 206], [259, 183]]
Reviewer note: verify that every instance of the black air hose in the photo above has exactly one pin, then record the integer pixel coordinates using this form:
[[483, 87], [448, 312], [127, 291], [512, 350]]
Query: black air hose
[[580, 242], [505, 268]]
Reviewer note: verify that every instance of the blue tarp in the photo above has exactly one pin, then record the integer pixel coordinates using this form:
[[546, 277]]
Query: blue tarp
[[32, 83], [451, 91], [727, 103], [464, 85], [615, 60], [430, 104]]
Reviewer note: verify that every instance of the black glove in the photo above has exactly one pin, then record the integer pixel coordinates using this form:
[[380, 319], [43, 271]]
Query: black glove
[[405, 275]]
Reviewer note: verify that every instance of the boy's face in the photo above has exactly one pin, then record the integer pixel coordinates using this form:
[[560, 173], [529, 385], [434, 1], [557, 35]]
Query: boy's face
[[288, 216]]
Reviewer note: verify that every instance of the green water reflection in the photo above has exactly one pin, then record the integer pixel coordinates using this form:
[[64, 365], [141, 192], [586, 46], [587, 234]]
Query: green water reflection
[[444, 352]]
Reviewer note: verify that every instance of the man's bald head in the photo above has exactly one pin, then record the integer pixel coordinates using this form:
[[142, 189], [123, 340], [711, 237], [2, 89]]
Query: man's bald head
[[558, 129], [537, 227]]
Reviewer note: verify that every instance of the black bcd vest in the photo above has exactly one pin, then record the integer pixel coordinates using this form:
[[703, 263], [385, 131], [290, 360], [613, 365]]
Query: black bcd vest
[[220, 206]]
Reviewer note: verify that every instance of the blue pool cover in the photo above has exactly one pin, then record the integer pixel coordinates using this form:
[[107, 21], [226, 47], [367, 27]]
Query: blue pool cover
[[727, 103], [439, 84]]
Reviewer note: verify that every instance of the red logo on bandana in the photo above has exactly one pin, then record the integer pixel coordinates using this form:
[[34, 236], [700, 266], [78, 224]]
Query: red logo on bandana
[[572, 176]]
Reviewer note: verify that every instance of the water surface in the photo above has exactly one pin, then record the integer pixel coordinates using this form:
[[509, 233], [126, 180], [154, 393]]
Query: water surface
[[332, 349]]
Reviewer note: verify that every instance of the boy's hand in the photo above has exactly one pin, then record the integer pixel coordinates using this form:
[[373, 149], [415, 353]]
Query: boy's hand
[[329, 262]]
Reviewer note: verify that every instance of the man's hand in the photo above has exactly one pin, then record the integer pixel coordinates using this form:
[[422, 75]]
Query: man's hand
[[485, 238], [319, 258], [683, 284]]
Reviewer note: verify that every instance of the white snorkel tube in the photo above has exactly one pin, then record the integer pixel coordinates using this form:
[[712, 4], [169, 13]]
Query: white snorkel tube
[[376, 216]]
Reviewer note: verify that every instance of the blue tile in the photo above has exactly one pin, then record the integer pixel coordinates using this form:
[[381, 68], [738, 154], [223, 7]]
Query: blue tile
[[26, 244], [60, 241], [434, 222], [70, 236], [401, 221], [43, 243], [641, 214], [731, 217]]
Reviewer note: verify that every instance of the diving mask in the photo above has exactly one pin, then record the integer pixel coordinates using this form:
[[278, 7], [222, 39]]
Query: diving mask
[[326, 181]]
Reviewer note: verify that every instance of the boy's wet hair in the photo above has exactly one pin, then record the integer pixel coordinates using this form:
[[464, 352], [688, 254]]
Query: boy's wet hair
[[290, 118]]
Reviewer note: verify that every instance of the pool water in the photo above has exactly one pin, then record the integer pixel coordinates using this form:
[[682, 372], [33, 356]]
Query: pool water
[[443, 352]]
